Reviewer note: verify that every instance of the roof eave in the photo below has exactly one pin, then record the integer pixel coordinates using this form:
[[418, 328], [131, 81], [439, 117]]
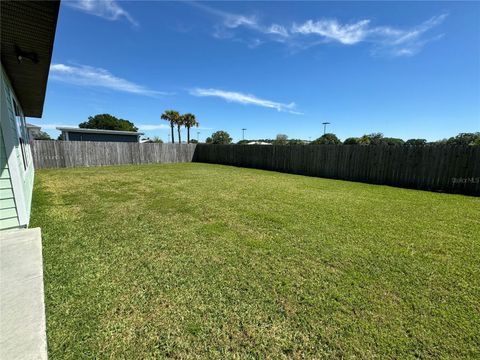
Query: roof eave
[[29, 27]]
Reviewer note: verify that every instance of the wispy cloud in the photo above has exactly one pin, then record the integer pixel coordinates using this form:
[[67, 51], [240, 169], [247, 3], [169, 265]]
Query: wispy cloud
[[347, 34], [150, 127], [276, 30], [89, 76], [107, 9], [229, 20], [386, 40], [247, 99]]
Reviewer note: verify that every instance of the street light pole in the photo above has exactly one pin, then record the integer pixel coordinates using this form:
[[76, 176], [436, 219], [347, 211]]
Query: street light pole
[[243, 133], [325, 127]]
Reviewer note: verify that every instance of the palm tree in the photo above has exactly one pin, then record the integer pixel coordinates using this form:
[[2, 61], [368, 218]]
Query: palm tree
[[189, 121], [179, 123], [172, 116]]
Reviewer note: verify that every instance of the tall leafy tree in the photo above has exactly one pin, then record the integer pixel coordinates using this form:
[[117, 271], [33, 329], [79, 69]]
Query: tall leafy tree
[[371, 139], [416, 142], [465, 139], [189, 121], [171, 116], [107, 122], [327, 139], [351, 141], [281, 139], [219, 137], [392, 141]]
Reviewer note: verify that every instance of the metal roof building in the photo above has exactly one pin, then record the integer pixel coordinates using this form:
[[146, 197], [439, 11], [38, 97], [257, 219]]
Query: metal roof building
[[79, 134]]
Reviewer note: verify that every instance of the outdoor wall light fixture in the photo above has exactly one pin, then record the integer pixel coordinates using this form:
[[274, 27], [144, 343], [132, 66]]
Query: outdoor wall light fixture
[[30, 55]]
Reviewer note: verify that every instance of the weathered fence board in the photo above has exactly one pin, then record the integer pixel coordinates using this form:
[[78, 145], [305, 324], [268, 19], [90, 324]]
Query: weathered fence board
[[447, 168], [59, 154]]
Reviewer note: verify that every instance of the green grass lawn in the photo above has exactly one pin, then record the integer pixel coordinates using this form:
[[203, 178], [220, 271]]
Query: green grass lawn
[[208, 261]]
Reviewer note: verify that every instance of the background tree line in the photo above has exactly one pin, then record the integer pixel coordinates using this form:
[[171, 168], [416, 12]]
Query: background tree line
[[188, 120], [375, 139]]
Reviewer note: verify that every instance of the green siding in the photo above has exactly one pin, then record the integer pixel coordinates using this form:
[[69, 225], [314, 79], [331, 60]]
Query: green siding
[[8, 213], [5, 183], [26, 178], [7, 203], [9, 223], [8, 206], [8, 210], [6, 193], [4, 173]]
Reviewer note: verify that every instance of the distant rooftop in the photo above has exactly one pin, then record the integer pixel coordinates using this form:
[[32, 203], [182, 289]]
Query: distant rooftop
[[258, 143], [98, 131]]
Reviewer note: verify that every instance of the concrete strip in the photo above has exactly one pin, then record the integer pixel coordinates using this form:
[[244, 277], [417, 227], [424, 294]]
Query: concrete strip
[[22, 307]]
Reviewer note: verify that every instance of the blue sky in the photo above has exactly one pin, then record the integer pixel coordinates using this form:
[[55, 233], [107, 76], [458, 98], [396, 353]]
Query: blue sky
[[407, 69]]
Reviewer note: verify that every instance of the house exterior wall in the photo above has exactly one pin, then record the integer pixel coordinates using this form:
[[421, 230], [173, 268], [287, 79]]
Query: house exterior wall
[[17, 162], [79, 136], [8, 210]]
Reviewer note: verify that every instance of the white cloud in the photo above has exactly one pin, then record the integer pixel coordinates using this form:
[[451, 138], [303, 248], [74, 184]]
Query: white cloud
[[148, 127], [107, 9], [398, 42], [277, 30], [247, 99], [229, 20], [233, 21], [386, 40], [89, 76], [347, 34]]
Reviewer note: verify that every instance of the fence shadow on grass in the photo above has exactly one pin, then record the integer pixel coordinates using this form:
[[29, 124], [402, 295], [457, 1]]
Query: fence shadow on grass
[[454, 169]]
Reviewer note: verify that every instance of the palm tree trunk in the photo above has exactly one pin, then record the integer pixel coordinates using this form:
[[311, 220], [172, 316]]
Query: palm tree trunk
[[188, 134], [179, 138], [173, 137]]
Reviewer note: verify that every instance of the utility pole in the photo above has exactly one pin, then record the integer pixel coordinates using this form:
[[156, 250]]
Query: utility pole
[[325, 127], [198, 136], [243, 133]]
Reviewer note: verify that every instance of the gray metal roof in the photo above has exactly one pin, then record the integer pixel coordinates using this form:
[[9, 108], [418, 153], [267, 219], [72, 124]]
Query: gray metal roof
[[28, 27], [98, 131]]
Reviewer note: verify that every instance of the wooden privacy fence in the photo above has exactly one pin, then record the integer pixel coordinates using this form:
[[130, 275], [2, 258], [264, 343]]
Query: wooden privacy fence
[[60, 154], [446, 168], [454, 169]]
